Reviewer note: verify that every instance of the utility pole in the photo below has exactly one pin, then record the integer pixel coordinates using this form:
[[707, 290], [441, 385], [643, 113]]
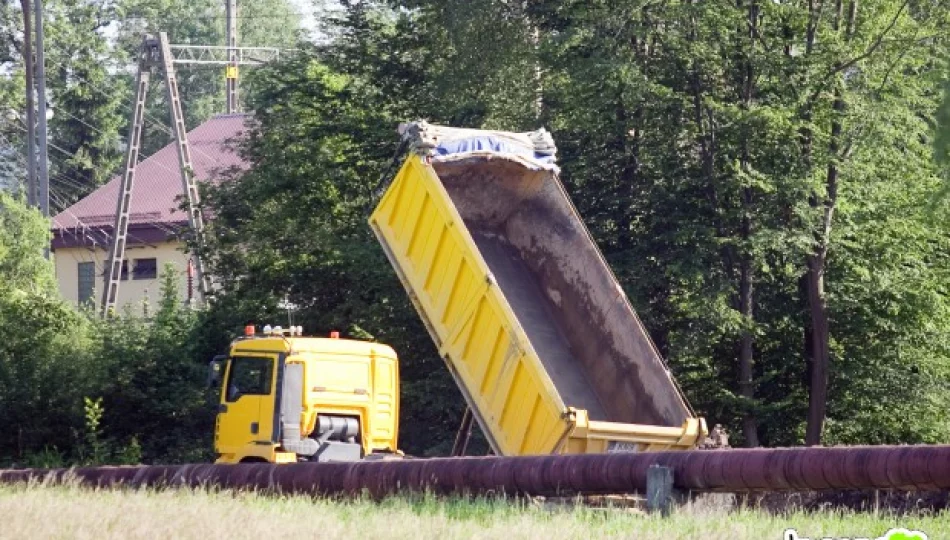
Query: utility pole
[[155, 53], [30, 118], [231, 71], [43, 158]]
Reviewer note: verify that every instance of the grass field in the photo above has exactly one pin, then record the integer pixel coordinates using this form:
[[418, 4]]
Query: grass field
[[74, 513]]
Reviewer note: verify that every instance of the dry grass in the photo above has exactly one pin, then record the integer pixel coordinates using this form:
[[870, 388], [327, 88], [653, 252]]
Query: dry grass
[[73, 513]]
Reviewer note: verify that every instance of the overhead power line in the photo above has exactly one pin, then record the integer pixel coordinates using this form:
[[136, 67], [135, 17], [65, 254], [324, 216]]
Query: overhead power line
[[127, 105], [157, 54]]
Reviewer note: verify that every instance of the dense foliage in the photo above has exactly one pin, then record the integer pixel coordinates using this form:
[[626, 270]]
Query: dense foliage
[[59, 367], [91, 49], [767, 180]]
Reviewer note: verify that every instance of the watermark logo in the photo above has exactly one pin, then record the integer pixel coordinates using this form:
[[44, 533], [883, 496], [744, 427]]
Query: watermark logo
[[893, 534]]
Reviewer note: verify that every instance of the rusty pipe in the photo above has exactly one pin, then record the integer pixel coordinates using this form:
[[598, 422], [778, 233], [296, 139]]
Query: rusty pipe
[[781, 469]]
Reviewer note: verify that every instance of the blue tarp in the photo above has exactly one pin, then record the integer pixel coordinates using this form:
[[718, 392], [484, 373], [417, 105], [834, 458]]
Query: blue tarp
[[489, 143]]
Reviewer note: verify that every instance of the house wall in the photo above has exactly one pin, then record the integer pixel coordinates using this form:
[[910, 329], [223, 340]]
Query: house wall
[[132, 292]]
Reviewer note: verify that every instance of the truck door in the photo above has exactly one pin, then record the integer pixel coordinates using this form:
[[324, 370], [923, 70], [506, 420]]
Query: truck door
[[246, 414]]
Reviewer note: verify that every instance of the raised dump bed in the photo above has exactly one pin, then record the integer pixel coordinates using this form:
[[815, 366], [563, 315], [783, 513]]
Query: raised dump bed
[[530, 320]]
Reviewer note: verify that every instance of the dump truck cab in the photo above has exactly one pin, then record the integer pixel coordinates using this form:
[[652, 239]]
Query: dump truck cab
[[286, 398]]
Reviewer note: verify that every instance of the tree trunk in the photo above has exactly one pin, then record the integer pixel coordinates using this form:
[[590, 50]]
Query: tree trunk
[[629, 181], [817, 306], [750, 428], [805, 134], [815, 282], [535, 37], [702, 116], [818, 382], [746, 275]]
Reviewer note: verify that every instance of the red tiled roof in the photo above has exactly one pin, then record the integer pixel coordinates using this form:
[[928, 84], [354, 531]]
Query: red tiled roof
[[158, 182]]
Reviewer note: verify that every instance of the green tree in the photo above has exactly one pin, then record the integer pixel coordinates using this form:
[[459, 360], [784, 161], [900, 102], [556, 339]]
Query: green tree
[[847, 96], [86, 100], [81, 91], [22, 264], [153, 389], [484, 55], [44, 342]]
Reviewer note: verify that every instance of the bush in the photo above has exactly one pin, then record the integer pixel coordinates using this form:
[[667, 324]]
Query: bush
[[75, 389], [153, 388]]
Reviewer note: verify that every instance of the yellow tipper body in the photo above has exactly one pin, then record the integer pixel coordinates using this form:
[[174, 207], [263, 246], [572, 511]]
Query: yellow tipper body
[[276, 389], [530, 321]]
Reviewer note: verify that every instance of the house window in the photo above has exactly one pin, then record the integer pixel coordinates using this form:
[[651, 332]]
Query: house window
[[125, 270], [86, 272], [145, 269]]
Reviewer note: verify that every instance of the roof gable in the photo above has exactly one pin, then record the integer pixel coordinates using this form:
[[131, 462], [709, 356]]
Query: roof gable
[[158, 181]]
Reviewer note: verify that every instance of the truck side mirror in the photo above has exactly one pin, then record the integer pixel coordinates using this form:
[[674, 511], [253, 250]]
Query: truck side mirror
[[216, 370]]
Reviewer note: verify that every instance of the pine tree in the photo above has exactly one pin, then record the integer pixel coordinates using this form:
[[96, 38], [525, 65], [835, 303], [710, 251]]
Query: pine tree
[[85, 98]]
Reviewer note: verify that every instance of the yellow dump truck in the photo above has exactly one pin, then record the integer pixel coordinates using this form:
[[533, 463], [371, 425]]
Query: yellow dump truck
[[534, 327], [286, 398], [530, 320]]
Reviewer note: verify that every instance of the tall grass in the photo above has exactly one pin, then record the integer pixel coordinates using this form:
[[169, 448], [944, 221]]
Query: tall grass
[[71, 512]]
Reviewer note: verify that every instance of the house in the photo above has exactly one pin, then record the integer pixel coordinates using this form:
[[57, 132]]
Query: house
[[82, 233]]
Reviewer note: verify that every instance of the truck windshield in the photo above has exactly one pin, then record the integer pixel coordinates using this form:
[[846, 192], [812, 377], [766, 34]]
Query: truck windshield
[[249, 376]]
